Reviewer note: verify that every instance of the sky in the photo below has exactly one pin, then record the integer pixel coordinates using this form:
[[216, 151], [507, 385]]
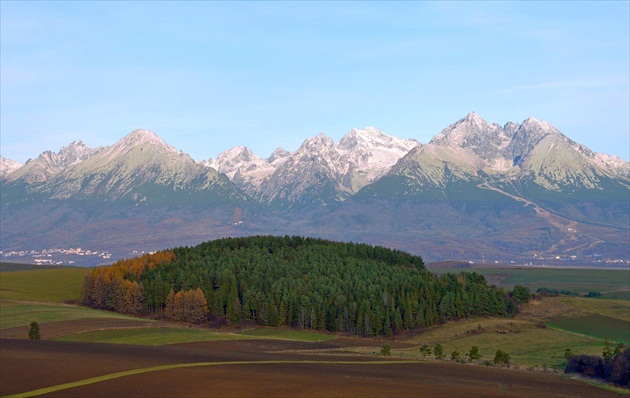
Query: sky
[[208, 76]]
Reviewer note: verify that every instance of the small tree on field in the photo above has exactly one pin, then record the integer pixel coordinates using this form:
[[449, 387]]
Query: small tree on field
[[438, 351], [33, 332], [425, 350], [473, 354], [454, 355], [567, 352], [521, 294], [386, 351], [607, 352], [502, 358]]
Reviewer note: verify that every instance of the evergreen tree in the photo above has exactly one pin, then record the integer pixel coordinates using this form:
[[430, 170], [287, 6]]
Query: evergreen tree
[[33, 332], [438, 351], [473, 354]]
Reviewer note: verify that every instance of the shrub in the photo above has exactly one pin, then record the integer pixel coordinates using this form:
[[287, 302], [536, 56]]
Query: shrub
[[502, 358], [425, 350], [473, 354]]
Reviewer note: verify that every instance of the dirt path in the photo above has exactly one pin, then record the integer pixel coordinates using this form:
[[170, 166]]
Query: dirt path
[[573, 238]]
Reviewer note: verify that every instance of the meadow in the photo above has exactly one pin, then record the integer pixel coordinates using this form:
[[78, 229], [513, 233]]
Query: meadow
[[611, 283]]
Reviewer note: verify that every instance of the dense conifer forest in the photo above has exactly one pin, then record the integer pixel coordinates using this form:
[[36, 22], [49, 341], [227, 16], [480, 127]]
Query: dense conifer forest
[[294, 281]]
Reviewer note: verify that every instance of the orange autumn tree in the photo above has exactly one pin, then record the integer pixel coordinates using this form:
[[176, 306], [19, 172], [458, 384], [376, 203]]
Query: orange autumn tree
[[116, 288], [186, 306]]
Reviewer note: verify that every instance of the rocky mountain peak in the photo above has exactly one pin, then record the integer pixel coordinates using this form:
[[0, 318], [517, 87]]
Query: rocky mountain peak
[[50, 163], [8, 166], [533, 124], [141, 138], [238, 158], [319, 143], [70, 155], [474, 119], [369, 138], [279, 153], [475, 134], [238, 153], [527, 136]]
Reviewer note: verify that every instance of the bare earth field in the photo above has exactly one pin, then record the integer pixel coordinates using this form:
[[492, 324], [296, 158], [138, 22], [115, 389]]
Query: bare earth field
[[320, 369]]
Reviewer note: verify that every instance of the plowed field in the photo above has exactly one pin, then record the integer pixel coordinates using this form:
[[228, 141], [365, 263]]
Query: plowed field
[[298, 369]]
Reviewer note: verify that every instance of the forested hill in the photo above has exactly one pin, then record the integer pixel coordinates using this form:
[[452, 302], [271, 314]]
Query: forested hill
[[294, 281]]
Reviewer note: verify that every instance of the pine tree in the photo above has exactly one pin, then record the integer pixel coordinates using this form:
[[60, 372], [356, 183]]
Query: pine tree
[[33, 332]]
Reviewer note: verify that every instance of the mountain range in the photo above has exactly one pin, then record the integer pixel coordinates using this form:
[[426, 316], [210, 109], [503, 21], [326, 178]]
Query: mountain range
[[477, 191]]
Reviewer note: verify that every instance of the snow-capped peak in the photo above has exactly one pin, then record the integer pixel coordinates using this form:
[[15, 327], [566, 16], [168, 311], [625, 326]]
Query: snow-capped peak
[[230, 161], [475, 134], [372, 152], [317, 143], [8, 166], [279, 153], [533, 124]]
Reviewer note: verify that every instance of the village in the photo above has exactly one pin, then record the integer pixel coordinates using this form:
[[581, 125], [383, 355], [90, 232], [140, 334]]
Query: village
[[54, 256]]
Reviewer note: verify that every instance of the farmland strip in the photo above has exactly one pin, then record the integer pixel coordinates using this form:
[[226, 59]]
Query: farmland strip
[[116, 375]]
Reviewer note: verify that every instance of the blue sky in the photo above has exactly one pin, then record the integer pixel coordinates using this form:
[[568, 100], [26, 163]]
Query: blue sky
[[207, 76]]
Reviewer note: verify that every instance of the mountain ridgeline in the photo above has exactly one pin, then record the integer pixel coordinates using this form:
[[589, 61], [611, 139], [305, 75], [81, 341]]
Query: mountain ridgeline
[[477, 191], [294, 281]]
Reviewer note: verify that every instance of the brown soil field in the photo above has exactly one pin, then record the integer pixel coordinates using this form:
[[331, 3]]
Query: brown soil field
[[63, 328], [27, 365]]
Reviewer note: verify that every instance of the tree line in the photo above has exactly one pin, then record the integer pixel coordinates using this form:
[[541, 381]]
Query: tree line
[[299, 282], [612, 366]]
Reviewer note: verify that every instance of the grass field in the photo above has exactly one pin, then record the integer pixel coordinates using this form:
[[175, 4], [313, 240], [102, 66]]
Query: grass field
[[55, 285], [529, 345], [619, 309], [597, 326], [611, 283]]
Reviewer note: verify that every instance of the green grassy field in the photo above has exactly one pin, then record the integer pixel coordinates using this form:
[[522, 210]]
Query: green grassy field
[[611, 283], [597, 326], [10, 267], [55, 285]]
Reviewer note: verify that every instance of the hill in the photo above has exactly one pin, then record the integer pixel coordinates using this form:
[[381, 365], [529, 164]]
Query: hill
[[301, 282]]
